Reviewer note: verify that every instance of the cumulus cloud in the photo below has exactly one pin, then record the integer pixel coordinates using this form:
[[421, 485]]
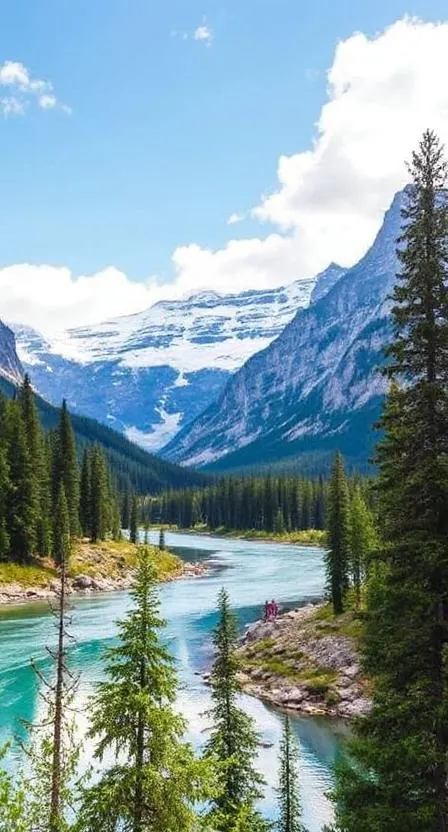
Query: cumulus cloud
[[20, 88], [382, 93]]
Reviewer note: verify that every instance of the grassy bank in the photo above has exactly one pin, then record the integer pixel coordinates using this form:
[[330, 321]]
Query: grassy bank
[[306, 537], [108, 559], [307, 660]]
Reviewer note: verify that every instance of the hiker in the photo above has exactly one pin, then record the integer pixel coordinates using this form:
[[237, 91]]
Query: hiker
[[274, 609], [266, 611]]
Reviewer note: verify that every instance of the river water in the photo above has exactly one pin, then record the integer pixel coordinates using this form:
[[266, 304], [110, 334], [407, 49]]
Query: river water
[[251, 572]]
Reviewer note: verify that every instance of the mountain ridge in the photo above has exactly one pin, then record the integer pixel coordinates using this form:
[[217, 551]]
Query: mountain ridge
[[313, 383]]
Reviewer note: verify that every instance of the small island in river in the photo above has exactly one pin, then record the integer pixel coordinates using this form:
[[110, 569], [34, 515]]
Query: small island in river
[[307, 661]]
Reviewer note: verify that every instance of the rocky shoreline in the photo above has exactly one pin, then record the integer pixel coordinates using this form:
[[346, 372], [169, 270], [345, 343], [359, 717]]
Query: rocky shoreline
[[84, 585], [305, 661]]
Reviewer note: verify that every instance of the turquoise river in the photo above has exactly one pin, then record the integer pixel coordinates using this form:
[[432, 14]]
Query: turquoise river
[[251, 572]]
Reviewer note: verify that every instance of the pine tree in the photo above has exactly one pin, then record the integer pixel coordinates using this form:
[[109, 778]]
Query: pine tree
[[233, 741], [40, 482], [337, 556], [85, 497], [66, 468], [288, 790], [399, 780], [99, 496], [5, 486], [133, 525], [162, 539], [21, 500], [159, 780], [279, 522], [362, 539], [61, 540]]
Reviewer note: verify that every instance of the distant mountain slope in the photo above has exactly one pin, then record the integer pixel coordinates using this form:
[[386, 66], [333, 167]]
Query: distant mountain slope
[[150, 374], [10, 366], [131, 464], [317, 386]]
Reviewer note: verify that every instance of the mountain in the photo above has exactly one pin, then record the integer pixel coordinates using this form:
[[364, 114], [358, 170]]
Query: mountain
[[10, 367], [148, 375], [131, 465], [317, 387]]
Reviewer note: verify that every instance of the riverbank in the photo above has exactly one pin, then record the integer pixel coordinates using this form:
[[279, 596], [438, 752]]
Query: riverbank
[[107, 566], [306, 661], [307, 537]]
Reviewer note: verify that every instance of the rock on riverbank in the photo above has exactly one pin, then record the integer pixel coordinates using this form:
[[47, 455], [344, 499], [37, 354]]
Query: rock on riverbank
[[306, 661], [103, 567]]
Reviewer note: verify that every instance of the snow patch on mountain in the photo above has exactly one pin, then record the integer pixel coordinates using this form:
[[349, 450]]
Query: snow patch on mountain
[[151, 373]]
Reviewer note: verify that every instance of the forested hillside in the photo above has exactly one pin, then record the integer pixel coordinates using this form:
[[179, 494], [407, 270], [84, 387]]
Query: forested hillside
[[132, 467]]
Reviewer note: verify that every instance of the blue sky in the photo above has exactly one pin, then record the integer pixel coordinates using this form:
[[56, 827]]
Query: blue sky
[[168, 135]]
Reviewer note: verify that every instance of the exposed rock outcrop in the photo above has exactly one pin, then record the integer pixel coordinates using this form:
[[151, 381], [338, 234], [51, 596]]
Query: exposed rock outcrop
[[306, 661]]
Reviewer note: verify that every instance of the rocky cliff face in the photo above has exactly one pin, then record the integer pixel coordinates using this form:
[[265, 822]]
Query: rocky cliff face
[[150, 374], [10, 366], [317, 386]]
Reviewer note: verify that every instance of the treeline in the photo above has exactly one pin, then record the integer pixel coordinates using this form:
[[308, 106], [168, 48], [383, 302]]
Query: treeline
[[41, 483], [132, 467], [270, 504]]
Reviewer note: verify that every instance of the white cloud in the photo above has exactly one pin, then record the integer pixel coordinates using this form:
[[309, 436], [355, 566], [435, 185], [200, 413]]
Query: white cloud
[[203, 33], [22, 89], [236, 218], [382, 93]]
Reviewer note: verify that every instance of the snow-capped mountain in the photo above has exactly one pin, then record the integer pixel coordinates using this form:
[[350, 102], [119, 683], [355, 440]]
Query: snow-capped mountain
[[317, 387], [152, 373], [10, 367]]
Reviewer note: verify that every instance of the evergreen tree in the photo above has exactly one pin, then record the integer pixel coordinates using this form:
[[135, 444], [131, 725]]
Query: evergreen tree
[[126, 510], [61, 540], [162, 539], [159, 780], [362, 539], [233, 741], [21, 500], [85, 497], [399, 780], [40, 479], [66, 468], [337, 555], [133, 525], [279, 522], [5, 486], [288, 791], [99, 496]]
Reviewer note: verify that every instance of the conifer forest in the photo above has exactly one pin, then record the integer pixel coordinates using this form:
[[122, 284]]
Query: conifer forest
[[383, 546]]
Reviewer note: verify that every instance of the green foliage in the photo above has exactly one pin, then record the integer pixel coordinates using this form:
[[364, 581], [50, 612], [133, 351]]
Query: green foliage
[[233, 741], [133, 520], [270, 504], [61, 538], [290, 810], [398, 778], [66, 469], [338, 525], [362, 539], [155, 780], [132, 467]]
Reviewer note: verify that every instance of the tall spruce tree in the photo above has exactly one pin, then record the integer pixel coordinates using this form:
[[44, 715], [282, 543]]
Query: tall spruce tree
[[362, 539], [290, 810], [158, 780], [85, 495], [5, 486], [66, 468], [338, 520], [40, 467], [21, 507], [399, 781], [61, 525], [133, 521], [233, 741]]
